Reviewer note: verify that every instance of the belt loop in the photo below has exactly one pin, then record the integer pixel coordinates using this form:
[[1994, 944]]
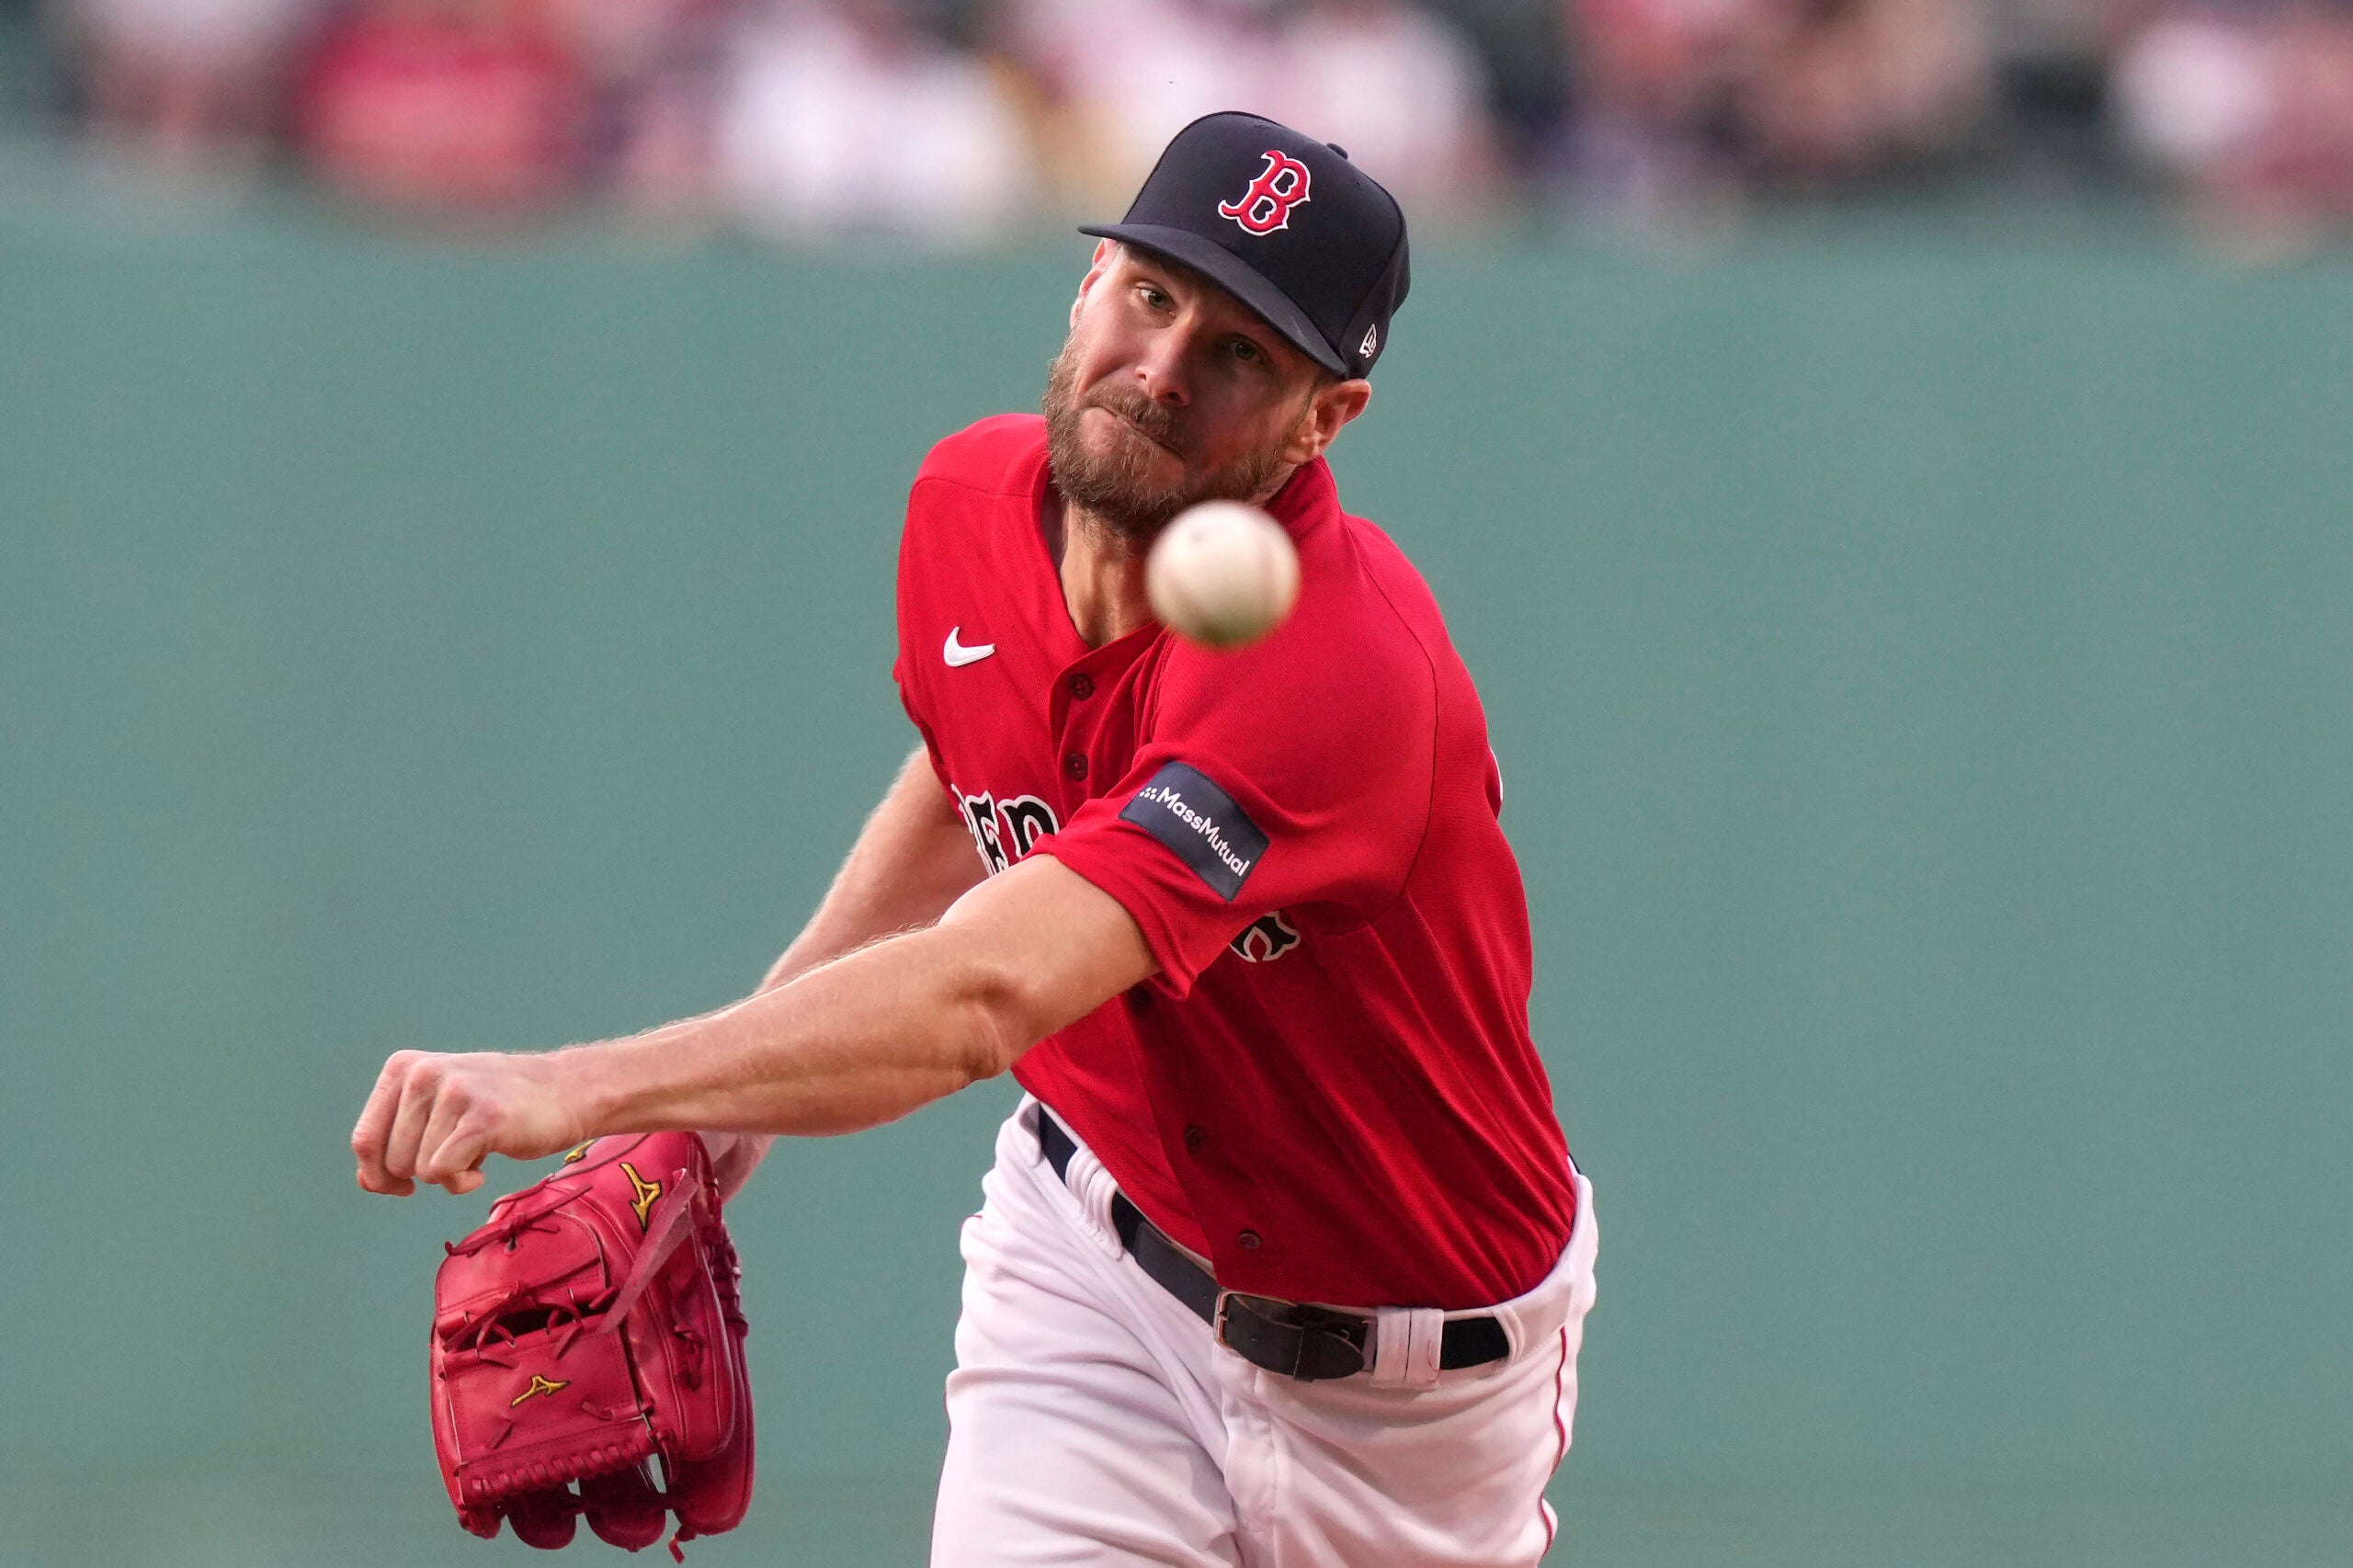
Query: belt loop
[[1093, 1187], [1406, 1344]]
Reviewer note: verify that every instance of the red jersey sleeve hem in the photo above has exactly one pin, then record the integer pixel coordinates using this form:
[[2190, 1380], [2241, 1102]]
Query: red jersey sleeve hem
[[1102, 865]]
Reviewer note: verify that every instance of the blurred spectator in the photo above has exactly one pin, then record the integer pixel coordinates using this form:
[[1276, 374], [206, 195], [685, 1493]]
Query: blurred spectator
[[652, 69], [2251, 108], [182, 83], [462, 104], [806, 118], [1848, 89], [1402, 91], [1697, 97], [1657, 86], [1115, 79], [848, 117]]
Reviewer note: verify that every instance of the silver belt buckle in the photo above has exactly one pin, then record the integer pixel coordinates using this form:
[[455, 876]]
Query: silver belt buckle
[[1224, 1299]]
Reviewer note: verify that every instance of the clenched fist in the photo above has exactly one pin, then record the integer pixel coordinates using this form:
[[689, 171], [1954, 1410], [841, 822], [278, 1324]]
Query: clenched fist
[[435, 1118]]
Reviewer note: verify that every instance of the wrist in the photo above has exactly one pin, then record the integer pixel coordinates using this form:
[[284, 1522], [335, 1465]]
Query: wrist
[[589, 1093]]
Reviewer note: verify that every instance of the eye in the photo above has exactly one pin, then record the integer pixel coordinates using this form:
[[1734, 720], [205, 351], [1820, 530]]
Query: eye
[[1248, 352], [1154, 296]]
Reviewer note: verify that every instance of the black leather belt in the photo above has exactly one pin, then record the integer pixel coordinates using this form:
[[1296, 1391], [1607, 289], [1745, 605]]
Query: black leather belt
[[1307, 1343]]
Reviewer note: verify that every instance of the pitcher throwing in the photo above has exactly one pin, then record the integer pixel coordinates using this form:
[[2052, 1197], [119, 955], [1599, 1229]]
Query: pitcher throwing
[[1283, 1260]]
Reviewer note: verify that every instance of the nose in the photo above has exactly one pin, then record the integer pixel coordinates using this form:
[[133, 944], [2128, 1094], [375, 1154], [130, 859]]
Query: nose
[[1163, 370]]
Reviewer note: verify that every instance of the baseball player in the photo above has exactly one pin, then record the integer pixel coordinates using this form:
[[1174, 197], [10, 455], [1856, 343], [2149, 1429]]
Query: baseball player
[[1282, 1260]]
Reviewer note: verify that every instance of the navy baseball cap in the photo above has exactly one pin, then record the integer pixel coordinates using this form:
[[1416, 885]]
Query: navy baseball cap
[[1283, 222]]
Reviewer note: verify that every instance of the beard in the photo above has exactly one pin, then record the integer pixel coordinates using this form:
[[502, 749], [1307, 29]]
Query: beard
[[1115, 488]]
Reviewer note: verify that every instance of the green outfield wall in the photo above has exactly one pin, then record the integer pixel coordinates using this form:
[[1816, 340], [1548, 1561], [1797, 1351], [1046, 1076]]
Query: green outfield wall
[[1920, 655]]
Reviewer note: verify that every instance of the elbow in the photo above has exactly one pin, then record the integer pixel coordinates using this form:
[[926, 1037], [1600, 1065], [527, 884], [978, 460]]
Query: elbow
[[996, 1023]]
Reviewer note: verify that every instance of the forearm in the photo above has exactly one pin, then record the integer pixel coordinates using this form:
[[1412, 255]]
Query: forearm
[[860, 1040], [849, 1044], [864, 1039], [891, 1027]]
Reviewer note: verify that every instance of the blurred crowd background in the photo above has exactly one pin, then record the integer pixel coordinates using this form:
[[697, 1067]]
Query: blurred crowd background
[[951, 120]]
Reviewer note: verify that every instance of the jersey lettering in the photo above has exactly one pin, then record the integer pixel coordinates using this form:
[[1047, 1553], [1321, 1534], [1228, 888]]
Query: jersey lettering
[[1005, 831], [980, 816], [1027, 820], [1265, 205], [1266, 939]]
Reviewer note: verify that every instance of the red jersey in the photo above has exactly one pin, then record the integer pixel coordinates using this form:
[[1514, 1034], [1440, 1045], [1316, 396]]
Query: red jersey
[[1329, 1090]]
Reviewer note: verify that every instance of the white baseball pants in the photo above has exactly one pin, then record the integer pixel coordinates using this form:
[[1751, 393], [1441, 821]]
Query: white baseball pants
[[1093, 1421]]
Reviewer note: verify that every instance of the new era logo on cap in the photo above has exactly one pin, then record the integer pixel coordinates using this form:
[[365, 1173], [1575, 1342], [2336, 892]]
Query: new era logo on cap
[[1284, 223]]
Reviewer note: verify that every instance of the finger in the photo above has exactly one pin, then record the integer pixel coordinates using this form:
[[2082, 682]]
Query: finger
[[370, 1133], [420, 1088], [451, 1153], [743, 1157], [456, 1162], [452, 1106], [389, 1186]]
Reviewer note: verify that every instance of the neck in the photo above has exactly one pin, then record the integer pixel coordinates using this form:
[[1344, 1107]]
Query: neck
[[1102, 578]]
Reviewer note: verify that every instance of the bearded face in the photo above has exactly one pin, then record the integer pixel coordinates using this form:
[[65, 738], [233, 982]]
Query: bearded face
[[1120, 469]]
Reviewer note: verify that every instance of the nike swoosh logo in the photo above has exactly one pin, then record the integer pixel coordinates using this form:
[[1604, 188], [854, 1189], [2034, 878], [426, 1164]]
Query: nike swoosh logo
[[957, 655]]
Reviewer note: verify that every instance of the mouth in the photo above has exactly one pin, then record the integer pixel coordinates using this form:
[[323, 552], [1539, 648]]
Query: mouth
[[1140, 430]]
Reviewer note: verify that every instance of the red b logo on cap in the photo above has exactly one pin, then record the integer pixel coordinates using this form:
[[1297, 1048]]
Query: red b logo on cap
[[1267, 205]]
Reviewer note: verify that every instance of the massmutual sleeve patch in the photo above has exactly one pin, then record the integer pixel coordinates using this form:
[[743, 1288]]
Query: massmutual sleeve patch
[[1183, 809]]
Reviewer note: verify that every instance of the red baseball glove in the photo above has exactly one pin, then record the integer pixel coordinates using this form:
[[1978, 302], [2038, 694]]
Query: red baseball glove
[[593, 1325]]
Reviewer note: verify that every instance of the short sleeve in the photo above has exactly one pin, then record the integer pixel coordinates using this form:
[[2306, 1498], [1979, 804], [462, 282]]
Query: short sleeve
[[1259, 785]]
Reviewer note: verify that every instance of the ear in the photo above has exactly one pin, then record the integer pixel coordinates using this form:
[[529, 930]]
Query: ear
[[1106, 253], [1333, 406]]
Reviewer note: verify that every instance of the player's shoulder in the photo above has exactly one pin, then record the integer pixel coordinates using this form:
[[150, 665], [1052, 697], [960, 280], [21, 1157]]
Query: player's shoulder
[[1363, 599], [971, 499], [997, 455], [1357, 585], [1390, 587]]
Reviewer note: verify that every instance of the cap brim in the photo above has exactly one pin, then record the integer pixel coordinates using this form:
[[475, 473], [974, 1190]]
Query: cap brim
[[1233, 274]]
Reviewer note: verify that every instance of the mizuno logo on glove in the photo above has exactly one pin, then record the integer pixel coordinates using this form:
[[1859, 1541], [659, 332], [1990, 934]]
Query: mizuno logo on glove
[[648, 1192], [539, 1385]]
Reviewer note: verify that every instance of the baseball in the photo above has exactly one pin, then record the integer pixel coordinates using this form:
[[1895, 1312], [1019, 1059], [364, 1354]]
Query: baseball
[[1222, 574]]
